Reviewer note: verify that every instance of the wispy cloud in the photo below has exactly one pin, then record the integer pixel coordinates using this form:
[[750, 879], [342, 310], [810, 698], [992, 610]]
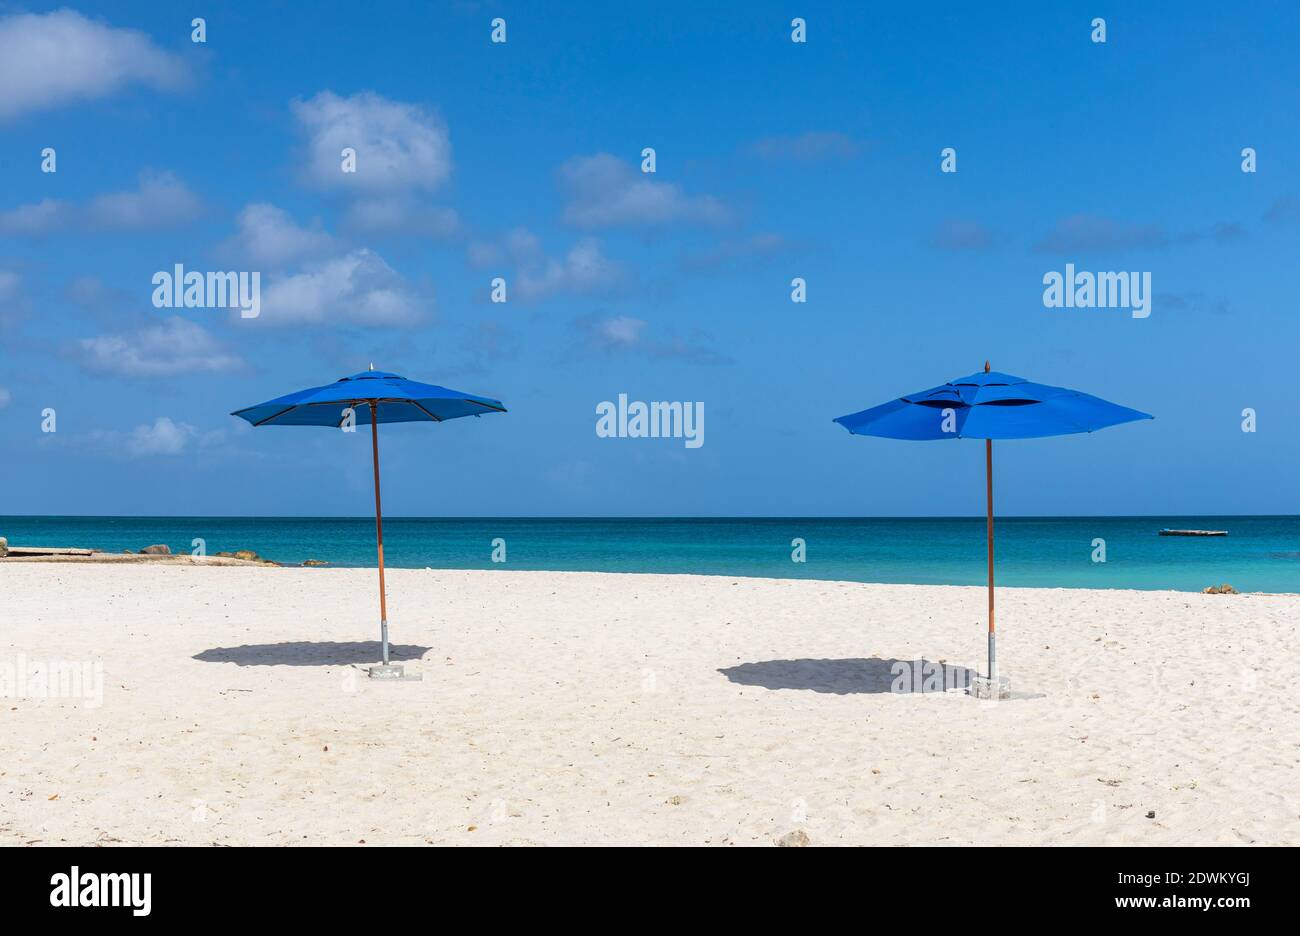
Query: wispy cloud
[[14, 306], [173, 347], [484, 345], [813, 146], [8, 286], [402, 215], [54, 59], [1091, 232], [1194, 302], [696, 348], [604, 191], [109, 306], [163, 437], [733, 252], [520, 246], [1284, 210], [1227, 231], [160, 201], [617, 334], [1086, 232], [584, 270], [93, 294], [962, 234]]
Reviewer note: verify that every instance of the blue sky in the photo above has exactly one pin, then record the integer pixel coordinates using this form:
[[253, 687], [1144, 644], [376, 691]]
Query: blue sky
[[775, 160]]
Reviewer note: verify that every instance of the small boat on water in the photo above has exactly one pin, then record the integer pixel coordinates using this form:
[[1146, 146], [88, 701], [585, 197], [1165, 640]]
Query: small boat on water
[[1193, 532]]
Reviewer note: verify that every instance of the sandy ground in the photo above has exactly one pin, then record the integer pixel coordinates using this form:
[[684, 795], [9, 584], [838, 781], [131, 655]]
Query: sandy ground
[[567, 708]]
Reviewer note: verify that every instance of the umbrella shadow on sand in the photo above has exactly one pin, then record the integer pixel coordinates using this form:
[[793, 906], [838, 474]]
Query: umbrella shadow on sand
[[310, 653], [848, 676]]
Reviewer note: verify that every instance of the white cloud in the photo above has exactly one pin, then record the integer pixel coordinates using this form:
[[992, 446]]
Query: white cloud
[[482, 255], [584, 270], [604, 191], [316, 279], [164, 437], [160, 201], [14, 305], [268, 236], [175, 346], [399, 146], [620, 331], [624, 334], [53, 59], [90, 292], [400, 214], [102, 302], [356, 288], [521, 246], [36, 218]]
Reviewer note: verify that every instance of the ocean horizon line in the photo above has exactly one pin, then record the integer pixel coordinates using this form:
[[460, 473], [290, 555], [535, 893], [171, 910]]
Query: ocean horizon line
[[675, 517]]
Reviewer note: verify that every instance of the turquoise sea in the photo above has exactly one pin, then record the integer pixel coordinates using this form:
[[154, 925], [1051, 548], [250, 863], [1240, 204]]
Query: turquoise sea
[[1259, 554]]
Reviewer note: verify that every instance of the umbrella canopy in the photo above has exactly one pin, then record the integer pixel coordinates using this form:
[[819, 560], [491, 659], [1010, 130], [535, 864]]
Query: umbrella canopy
[[371, 397], [989, 406], [395, 399]]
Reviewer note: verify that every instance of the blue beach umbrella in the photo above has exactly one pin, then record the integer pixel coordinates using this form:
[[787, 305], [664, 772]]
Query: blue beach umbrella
[[989, 406], [370, 397]]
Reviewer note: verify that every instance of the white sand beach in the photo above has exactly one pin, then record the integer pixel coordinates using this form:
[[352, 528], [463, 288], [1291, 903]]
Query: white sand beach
[[571, 708]]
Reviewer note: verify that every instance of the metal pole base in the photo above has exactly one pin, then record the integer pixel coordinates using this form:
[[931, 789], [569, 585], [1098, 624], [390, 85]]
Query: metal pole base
[[393, 671], [991, 686], [981, 687]]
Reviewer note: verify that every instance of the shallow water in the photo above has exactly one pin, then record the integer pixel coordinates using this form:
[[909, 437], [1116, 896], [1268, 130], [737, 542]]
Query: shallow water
[[1259, 554]]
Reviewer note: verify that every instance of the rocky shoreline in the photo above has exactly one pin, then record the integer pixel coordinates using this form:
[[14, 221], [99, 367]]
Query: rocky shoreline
[[157, 553], [138, 559]]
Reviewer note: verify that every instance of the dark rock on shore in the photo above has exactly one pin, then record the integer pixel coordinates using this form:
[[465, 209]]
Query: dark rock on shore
[[158, 549], [245, 554]]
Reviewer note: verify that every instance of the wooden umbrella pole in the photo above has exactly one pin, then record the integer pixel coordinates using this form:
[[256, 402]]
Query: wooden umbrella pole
[[379, 529]]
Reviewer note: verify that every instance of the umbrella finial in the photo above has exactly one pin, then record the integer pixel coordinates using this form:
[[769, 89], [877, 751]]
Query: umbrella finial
[[986, 367]]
